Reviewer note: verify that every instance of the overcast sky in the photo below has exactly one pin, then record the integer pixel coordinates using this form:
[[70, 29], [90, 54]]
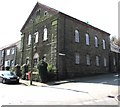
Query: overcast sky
[[102, 14]]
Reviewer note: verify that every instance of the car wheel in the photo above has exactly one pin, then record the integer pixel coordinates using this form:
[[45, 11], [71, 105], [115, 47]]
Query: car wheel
[[3, 81], [17, 82]]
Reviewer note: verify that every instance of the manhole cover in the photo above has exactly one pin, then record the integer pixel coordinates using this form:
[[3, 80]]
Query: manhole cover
[[118, 97]]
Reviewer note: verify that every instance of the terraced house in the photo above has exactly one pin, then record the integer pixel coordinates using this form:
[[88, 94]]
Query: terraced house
[[74, 47], [10, 55]]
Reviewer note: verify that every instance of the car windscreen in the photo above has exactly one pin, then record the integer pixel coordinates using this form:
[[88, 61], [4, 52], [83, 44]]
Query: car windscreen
[[8, 74]]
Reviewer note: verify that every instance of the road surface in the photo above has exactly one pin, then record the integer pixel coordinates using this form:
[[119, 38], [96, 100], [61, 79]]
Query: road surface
[[97, 90]]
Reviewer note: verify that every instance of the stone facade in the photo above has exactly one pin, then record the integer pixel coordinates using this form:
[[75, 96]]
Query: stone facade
[[69, 47], [73, 47]]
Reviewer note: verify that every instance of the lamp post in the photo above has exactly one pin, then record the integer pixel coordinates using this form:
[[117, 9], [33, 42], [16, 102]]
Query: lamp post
[[32, 37]]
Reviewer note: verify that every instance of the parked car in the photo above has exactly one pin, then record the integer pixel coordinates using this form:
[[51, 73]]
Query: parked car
[[8, 77]]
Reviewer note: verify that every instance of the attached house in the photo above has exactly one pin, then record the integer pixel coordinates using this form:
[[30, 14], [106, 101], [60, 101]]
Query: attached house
[[10, 55], [114, 57], [73, 47]]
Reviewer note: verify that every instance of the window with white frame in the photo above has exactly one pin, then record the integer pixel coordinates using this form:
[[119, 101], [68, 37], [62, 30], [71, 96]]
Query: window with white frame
[[77, 58], [2, 53], [77, 36], [104, 44], [87, 39], [12, 51], [97, 61], [105, 62], [8, 52], [36, 37], [12, 63], [96, 41], [88, 59], [45, 36], [7, 63], [29, 39]]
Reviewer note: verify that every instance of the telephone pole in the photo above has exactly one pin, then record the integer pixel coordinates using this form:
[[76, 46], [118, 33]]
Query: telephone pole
[[32, 37]]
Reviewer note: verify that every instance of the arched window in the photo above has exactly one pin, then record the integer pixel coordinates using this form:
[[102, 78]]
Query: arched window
[[29, 39], [96, 41], [45, 36], [35, 58], [36, 37], [104, 44], [87, 39], [77, 36]]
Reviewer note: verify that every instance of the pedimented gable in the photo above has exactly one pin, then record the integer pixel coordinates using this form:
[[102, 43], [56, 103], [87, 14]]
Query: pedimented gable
[[39, 13]]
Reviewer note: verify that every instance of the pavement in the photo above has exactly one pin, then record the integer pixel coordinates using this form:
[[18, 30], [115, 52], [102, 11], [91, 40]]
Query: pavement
[[81, 79], [104, 99], [34, 83]]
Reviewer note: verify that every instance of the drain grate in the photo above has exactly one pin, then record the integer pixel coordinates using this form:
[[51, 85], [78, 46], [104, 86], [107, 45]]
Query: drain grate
[[110, 96]]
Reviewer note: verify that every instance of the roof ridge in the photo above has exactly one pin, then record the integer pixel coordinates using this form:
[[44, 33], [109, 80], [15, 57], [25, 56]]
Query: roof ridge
[[9, 45]]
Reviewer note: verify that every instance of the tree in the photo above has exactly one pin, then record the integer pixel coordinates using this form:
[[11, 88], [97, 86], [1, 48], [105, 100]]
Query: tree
[[115, 40], [118, 42]]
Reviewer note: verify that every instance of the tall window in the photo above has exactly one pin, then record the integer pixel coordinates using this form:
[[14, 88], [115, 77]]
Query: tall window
[[105, 62], [87, 39], [7, 63], [13, 51], [8, 52], [96, 41], [12, 63], [88, 59], [77, 58], [45, 36], [2, 53], [29, 39], [97, 61], [36, 37], [104, 44], [77, 36]]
